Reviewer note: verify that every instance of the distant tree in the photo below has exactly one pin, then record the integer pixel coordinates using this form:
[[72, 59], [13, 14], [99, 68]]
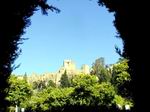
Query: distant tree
[[39, 85], [51, 84], [64, 81], [25, 77], [35, 85], [99, 69]]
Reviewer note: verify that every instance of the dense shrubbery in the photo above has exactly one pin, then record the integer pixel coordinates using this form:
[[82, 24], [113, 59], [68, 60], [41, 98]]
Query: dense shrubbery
[[86, 93]]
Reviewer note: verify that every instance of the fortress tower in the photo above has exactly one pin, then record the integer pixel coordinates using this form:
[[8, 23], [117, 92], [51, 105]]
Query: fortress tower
[[85, 69], [69, 65]]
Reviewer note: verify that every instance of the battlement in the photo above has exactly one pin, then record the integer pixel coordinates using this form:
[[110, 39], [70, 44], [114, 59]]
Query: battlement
[[68, 65]]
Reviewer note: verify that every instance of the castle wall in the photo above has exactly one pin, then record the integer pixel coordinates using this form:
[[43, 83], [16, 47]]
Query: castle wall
[[68, 66]]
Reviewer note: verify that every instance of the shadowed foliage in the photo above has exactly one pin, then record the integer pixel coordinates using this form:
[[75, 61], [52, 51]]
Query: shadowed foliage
[[15, 17], [131, 23]]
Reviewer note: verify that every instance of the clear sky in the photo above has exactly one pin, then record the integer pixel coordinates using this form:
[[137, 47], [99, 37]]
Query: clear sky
[[82, 31]]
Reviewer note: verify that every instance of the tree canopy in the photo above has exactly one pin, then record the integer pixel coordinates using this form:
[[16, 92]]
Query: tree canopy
[[19, 91], [85, 94]]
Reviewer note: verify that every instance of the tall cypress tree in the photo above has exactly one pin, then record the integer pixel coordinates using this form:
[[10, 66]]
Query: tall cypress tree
[[64, 81]]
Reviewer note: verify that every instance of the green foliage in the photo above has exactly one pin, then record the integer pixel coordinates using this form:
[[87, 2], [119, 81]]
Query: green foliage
[[121, 78], [84, 87], [86, 93], [122, 101], [64, 81], [119, 100], [19, 91], [37, 101], [105, 94], [59, 97], [50, 99], [35, 85], [82, 94], [120, 66], [90, 93], [39, 85], [25, 77], [51, 84], [84, 80]]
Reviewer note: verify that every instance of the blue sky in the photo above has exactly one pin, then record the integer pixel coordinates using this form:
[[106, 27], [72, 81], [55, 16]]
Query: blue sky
[[82, 31]]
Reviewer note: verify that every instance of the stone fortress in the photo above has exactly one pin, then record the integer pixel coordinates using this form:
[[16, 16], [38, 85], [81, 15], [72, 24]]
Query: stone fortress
[[68, 65]]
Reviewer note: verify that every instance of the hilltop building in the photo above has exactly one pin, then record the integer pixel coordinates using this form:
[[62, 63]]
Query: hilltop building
[[68, 65]]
